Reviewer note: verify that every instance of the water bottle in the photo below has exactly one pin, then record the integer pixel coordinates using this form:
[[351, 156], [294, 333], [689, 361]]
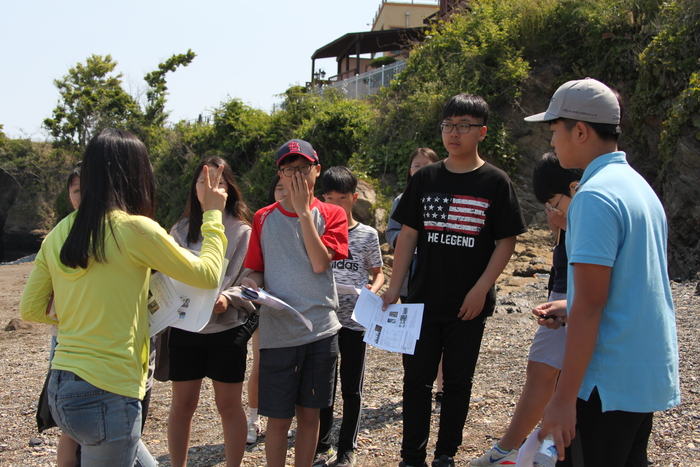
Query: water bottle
[[546, 455]]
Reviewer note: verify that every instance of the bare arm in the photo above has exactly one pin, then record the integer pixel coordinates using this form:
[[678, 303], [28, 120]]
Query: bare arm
[[301, 197], [377, 279], [403, 256], [319, 254], [592, 283], [474, 301]]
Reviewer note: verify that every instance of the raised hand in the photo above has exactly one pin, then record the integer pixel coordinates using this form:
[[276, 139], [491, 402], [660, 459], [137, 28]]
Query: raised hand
[[299, 193], [213, 196]]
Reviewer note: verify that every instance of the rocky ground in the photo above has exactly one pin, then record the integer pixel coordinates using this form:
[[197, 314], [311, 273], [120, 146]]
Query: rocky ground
[[499, 377]]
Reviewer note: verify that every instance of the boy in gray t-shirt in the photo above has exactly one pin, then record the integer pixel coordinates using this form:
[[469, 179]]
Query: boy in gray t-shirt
[[291, 248], [364, 258]]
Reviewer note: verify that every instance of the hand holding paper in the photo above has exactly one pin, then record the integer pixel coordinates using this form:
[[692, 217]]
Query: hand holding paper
[[395, 329], [263, 298]]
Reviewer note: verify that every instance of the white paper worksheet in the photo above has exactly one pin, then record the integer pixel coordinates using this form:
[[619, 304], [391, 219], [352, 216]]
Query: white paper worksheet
[[396, 329]]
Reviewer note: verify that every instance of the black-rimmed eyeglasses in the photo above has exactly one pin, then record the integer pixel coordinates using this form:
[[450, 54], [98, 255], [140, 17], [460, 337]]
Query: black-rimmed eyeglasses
[[556, 206], [302, 169], [462, 128]]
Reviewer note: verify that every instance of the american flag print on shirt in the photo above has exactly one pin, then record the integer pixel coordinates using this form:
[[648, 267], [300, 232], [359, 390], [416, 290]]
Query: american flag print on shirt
[[454, 213]]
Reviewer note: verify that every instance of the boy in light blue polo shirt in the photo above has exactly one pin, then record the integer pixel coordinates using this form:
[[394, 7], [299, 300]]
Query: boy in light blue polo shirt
[[621, 359]]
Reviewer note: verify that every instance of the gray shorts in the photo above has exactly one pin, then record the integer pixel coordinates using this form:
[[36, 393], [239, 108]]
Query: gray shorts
[[303, 375], [548, 344]]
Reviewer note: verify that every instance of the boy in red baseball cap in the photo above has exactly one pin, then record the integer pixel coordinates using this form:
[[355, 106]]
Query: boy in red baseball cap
[[292, 244]]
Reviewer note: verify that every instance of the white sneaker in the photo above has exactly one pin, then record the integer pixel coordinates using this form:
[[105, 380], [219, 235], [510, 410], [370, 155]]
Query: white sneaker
[[253, 431], [496, 456]]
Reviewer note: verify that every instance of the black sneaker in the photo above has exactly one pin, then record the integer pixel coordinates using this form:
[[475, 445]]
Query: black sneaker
[[443, 461], [346, 458]]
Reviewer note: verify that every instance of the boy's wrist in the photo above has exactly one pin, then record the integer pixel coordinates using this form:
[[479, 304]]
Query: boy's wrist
[[564, 396], [304, 212]]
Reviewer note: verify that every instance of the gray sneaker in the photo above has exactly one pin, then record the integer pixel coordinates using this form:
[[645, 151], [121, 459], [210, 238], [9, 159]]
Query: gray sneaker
[[324, 458], [346, 458], [495, 457]]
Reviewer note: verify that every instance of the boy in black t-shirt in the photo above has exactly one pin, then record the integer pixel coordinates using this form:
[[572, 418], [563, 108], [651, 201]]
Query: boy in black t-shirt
[[463, 216]]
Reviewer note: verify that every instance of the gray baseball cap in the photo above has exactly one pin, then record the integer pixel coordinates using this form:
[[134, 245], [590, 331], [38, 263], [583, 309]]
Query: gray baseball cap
[[587, 100]]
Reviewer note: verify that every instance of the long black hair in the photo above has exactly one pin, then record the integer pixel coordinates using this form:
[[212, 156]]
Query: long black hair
[[115, 174], [193, 211]]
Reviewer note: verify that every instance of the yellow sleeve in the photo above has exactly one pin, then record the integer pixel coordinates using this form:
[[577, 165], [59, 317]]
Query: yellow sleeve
[[151, 246], [37, 293]]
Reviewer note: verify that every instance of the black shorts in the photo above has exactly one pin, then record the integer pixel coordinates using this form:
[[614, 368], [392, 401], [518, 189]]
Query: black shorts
[[302, 375], [217, 356]]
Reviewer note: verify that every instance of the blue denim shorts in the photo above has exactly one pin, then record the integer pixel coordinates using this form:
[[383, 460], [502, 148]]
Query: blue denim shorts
[[107, 425]]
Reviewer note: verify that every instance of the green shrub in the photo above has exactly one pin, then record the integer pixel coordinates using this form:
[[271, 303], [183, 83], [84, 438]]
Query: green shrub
[[381, 61], [667, 87], [474, 53], [684, 110]]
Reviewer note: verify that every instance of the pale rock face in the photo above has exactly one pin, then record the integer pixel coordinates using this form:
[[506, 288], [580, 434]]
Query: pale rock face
[[367, 197]]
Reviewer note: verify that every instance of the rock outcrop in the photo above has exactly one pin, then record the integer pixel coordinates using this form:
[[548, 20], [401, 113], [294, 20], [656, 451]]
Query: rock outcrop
[[677, 185], [681, 195]]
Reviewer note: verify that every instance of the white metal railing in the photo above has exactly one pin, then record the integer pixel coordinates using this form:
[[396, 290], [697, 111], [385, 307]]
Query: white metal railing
[[367, 83]]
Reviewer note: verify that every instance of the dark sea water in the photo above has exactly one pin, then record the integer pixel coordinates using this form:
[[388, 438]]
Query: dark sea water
[[14, 246]]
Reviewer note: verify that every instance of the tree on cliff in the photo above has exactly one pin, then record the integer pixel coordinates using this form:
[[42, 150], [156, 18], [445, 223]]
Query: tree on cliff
[[92, 98], [155, 113]]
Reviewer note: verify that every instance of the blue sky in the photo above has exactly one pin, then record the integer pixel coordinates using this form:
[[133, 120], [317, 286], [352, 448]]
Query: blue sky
[[249, 50]]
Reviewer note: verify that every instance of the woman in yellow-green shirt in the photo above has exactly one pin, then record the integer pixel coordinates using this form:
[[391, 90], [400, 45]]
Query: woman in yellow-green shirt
[[97, 263]]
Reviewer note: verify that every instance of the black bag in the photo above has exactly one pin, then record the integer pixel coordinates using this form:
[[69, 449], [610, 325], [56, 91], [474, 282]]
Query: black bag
[[247, 329], [44, 420]]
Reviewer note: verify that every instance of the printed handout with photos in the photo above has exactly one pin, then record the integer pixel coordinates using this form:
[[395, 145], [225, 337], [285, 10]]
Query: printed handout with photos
[[173, 303], [163, 303], [197, 304], [397, 329]]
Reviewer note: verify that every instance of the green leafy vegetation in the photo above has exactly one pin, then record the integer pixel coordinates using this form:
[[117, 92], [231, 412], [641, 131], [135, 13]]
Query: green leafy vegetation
[[475, 52], [668, 88], [382, 61], [92, 98], [647, 49]]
